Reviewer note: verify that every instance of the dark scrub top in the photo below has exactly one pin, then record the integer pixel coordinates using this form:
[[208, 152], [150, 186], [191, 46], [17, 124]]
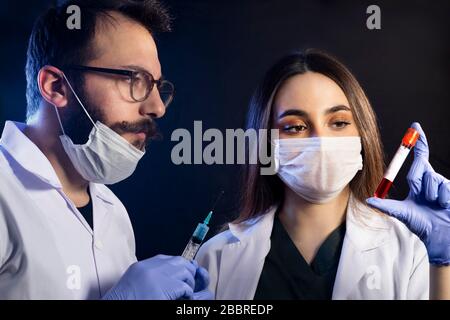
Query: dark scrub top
[[86, 211], [286, 274]]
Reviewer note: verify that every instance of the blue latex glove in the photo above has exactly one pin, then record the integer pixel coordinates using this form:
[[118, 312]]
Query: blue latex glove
[[426, 210], [201, 291], [158, 278]]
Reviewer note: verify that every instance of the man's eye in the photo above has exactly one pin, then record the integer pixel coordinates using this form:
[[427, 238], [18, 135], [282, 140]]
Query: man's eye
[[294, 128], [340, 124]]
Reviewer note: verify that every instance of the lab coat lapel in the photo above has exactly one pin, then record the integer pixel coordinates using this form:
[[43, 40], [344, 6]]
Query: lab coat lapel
[[102, 208], [350, 271], [366, 233], [241, 262]]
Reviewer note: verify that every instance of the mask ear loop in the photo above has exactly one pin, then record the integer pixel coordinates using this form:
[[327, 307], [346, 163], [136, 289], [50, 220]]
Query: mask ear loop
[[79, 101], [59, 119]]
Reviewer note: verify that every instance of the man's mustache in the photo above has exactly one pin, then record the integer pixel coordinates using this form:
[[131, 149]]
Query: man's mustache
[[146, 126]]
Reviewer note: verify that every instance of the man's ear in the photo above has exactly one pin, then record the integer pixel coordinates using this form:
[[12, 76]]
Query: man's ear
[[52, 86]]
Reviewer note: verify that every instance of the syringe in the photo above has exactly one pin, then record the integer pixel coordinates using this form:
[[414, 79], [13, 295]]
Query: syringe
[[199, 235], [197, 238], [408, 142]]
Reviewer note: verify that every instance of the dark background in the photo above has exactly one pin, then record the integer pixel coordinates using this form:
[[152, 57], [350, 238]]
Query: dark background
[[216, 55]]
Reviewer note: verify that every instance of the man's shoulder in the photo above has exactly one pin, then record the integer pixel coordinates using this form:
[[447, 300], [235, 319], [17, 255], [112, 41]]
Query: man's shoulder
[[4, 165], [9, 192], [8, 181]]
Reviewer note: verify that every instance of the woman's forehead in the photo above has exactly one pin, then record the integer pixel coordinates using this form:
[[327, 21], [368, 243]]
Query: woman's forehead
[[310, 92]]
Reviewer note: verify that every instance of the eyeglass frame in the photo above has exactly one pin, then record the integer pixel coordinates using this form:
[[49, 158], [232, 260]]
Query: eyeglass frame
[[132, 75]]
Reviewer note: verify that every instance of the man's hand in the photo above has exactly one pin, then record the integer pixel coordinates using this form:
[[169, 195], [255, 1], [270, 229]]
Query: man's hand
[[162, 278]]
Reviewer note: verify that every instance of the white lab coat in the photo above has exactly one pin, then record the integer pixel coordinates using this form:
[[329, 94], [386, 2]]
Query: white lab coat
[[380, 258], [47, 249]]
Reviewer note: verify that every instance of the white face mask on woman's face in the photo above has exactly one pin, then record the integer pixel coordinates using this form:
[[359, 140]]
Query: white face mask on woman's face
[[318, 168], [106, 157]]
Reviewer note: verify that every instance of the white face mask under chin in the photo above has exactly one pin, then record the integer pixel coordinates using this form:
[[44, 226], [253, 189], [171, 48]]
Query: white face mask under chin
[[106, 157], [318, 168]]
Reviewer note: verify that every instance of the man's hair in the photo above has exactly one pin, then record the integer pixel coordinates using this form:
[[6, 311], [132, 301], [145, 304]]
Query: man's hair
[[53, 43]]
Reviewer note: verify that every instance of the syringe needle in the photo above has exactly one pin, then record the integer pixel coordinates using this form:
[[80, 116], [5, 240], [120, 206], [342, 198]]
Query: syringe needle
[[217, 199]]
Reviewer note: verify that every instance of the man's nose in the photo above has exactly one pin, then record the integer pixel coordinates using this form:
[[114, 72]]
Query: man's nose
[[153, 106]]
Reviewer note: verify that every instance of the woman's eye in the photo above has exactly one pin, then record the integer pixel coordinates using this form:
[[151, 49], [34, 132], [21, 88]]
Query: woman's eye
[[294, 128], [340, 124]]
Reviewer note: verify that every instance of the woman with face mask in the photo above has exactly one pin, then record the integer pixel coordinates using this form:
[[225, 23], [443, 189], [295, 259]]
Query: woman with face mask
[[308, 231]]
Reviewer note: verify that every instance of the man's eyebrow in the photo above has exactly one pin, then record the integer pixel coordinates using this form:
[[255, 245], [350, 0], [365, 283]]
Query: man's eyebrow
[[302, 113], [139, 68]]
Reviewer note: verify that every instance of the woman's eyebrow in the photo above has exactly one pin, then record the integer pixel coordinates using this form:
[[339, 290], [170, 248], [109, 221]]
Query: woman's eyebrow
[[340, 107], [302, 113], [293, 112]]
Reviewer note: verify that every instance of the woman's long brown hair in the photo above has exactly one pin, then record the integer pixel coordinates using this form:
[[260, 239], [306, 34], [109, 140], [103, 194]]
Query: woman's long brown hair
[[261, 192]]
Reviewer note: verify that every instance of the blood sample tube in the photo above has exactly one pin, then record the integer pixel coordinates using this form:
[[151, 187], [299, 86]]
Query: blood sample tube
[[408, 142]]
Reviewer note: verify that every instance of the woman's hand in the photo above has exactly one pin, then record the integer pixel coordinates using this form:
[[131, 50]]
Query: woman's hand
[[426, 210]]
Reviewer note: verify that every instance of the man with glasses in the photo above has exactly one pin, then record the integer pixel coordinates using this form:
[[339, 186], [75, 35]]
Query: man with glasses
[[93, 95]]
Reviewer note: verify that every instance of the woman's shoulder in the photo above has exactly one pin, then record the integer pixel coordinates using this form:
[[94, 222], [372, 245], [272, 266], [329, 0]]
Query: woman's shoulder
[[219, 240], [396, 231], [406, 238], [256, 228], [210, 252]]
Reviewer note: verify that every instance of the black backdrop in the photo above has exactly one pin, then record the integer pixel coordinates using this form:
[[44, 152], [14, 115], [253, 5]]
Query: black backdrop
[[217, 53]]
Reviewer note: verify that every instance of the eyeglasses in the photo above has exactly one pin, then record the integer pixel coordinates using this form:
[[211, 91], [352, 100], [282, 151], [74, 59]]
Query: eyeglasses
[[141, 83]]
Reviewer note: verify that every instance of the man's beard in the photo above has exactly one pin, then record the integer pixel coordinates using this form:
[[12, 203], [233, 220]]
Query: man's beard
[[78, 126]]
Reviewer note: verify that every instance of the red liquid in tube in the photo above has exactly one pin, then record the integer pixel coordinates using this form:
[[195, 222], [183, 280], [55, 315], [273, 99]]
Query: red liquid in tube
[[383, 188], [408, 142]]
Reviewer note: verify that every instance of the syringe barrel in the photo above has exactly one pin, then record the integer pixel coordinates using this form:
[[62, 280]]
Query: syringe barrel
[[408, 142], [191, 249], [201, 231], [196, 240]]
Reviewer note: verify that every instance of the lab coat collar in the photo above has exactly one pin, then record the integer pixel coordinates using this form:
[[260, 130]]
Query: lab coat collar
[[99, 191], [27, 154], [366, 230], [254, 227], [247, 254], [31, 158]]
